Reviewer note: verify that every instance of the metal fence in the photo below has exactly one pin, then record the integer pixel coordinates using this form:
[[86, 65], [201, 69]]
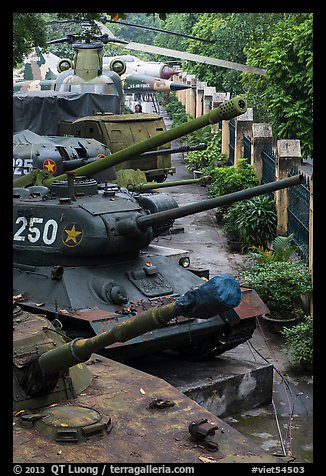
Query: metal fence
[[298, 215], [299, 196], [299, 199], [268, 165], [247, 149], [231, 142]]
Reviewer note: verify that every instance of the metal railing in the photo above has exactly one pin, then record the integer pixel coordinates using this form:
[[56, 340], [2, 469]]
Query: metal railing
[[298, 215], [268, 165], [247, 149], [231, 142]]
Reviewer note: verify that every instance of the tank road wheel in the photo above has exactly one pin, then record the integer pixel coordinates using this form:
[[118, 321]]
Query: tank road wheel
[[230, 338], [204, 349], [160, 178]]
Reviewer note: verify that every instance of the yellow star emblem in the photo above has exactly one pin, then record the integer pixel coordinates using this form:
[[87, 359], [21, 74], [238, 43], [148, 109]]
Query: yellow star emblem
[[50, 166], [74, 235]]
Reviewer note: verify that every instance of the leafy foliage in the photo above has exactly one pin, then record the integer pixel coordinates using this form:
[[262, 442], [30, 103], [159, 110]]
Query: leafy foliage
[[28, 31], [229, 32], [281, 249], [279, 283], [281, 43], [176, 110], [210, 158], [232, 178], [254, 219], [286, 91], [299, 341]]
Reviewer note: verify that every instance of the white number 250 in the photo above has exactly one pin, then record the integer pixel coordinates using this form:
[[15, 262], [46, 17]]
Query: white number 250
[[47, 232]]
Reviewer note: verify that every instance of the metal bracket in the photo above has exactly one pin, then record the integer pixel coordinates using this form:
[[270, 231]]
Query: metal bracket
[[201, 430], [159, 403]]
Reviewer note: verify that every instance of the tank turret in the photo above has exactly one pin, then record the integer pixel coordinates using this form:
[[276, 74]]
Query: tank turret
[[60, 154], [100, 225]]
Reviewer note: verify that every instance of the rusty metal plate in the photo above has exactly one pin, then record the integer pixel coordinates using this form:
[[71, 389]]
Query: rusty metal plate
[[251, 305], [140, 434]]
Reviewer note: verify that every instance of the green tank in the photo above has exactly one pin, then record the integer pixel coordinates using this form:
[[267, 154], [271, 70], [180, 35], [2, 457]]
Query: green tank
[[59, 154], [118, 131], [72, 405], [80, 254]]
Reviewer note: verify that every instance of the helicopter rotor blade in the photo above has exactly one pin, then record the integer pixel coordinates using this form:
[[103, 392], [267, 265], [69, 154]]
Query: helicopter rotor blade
[[68, 39], [119, 22], [109, 35], [193, 57], [104, 29], [105, 38]]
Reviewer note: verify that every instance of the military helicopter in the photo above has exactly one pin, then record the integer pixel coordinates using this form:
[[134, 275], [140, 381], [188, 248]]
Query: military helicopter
[[43, 71], [137, 75], [86, 74]]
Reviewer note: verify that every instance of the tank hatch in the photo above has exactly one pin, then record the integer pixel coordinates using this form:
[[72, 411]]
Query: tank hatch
[[149, 281], [33, 335], [69, 423]]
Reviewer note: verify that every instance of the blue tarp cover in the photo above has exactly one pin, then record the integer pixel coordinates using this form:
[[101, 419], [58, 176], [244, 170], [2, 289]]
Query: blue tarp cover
[[219, 294]]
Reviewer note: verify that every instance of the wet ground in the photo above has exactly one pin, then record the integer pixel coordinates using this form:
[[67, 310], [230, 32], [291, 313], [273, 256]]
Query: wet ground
[[284, 427]]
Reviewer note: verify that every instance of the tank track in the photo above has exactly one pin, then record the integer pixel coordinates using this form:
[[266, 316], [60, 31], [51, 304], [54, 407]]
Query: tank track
[[220, 343]]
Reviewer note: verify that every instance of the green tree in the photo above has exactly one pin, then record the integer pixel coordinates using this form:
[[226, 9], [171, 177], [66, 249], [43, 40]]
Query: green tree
[[28, 31], [229, 33], [286, 91], [178, 23]]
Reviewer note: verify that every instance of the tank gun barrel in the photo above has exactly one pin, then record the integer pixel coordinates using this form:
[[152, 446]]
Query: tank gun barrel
[[225, 111], [72, 164], [174, 150], [158, 217], [142, 187], [215, 296]]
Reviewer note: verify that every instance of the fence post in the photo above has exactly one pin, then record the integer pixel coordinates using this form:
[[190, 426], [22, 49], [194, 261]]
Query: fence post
[[200, 98], [208, 98], [226, 138], [191, 95], [178, 79], [261, 135], [288, 155], [243, 127]]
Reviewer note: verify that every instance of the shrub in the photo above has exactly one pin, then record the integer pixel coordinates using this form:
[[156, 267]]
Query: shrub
[[280, 284], [255, 220], [177, 111], [280, 249], [232, 178], [208, 159], [299, 341], [232, 231], [202, 136]]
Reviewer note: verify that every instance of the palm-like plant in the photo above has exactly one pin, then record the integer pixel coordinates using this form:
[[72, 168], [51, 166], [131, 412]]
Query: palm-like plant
[[281, 249]]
